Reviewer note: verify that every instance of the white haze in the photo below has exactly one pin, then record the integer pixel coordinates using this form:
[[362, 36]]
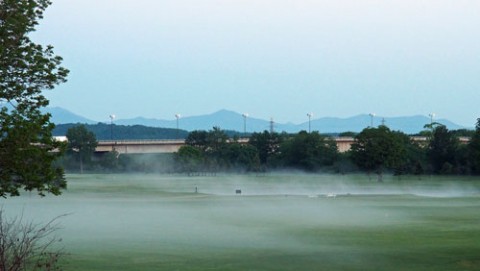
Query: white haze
[[163, 213]]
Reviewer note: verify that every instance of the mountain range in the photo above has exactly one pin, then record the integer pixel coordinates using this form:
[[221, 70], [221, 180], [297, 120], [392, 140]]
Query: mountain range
[[230, 120]]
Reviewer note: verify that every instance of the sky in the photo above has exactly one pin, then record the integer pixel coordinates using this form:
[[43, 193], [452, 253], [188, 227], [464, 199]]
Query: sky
[[277, 59]]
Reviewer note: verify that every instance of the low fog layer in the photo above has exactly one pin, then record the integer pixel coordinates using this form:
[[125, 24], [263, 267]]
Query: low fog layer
[[275, 185], [164, 214]]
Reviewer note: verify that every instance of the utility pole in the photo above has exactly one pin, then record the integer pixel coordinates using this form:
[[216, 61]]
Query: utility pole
[[272, 123]]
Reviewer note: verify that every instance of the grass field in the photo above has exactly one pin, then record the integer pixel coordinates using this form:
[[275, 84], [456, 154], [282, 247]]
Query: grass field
[[279, 222]]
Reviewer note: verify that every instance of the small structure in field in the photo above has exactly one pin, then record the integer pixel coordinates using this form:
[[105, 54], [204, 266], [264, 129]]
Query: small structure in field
[[331, 195]]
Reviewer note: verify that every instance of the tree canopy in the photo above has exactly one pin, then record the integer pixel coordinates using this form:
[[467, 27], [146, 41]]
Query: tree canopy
[[267, 144], [308, 151], [377, 149], [442, 150], [81, 143], [211, 151], [27, 150], [474, 149]]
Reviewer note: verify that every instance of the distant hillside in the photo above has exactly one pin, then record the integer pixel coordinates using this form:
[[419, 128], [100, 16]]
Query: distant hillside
[[232, 121], [60, 115], [121, 132], [105, 131]]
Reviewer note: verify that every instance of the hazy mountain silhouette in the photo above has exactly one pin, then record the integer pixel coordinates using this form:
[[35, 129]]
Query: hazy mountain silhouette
[[62, 116], [230, 120]]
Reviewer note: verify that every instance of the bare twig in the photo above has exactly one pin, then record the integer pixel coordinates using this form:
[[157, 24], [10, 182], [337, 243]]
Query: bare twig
[[29, 246]]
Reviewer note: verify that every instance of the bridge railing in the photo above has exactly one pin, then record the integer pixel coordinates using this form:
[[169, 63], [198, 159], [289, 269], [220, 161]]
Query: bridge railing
[[171, 145], [155, 141], [141, 141]]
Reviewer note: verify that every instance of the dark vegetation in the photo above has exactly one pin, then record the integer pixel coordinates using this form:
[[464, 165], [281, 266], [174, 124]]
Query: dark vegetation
[[28, 151], [104, 131], [26, 69], [377, 150], [29, 246]]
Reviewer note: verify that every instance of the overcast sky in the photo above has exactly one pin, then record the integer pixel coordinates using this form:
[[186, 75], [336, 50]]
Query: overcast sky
[[268, 58]]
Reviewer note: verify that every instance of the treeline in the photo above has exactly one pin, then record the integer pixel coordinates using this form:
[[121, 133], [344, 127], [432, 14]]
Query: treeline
[[80, 156], [213, 151], [377, 150]]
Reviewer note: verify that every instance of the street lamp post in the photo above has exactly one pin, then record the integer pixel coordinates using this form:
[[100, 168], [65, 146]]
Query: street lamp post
[[431, 115], [245, 116], [310, 115], [112, 117], [372, 115], [177, 116]]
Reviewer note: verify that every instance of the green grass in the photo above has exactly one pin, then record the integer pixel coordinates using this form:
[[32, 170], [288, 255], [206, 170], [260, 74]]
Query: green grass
[[281, 222]]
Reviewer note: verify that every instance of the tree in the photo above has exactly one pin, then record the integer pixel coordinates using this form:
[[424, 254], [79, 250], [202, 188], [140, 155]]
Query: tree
[[377, 149], [189, 159], [216, 140], [474, 149], [81, 144], [240, 157], [308, 151], [28, 246], [442, 150], [110, 161], [267, 144], [197, 139], [27, 150]]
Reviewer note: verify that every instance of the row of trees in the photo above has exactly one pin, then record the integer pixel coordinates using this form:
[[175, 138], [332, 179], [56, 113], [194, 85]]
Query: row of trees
[[206, 151], [80, 156], [212, 151], [376, 150]]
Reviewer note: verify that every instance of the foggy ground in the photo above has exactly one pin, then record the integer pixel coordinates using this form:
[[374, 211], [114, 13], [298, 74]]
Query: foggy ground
[[279, 222]]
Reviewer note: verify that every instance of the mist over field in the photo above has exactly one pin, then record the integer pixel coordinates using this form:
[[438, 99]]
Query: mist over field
[[158, 222]]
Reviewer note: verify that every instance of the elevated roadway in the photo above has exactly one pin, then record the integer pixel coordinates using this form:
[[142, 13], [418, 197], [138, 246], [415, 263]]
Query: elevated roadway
[[170, 146]]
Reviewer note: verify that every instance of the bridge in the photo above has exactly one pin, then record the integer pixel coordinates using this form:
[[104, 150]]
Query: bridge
[[173, 145], [140, 146]]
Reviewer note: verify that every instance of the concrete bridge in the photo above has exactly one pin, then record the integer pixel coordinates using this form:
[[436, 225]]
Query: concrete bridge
[[140, 146], [170, 146]]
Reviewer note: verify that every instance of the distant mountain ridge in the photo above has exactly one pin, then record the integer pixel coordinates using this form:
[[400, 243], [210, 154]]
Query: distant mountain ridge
[[63, 116], [230, 120]]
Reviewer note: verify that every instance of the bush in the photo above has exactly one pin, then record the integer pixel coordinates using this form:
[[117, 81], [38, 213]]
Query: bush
[[28, 246]]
